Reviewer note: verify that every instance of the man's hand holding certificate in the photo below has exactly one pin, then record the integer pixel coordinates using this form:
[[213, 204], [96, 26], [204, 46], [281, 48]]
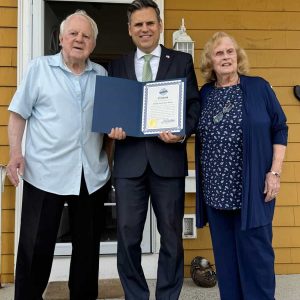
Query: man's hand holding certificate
[[139, 108]]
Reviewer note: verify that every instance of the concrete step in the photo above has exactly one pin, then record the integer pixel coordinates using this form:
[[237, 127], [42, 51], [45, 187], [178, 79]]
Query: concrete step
[[108, 289], [287, 288]]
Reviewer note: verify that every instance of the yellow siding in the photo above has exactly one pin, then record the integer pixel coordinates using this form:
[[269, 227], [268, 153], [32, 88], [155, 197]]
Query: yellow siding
[[233, 5], [269, 31], [8, 206], [8, 76], [3, 135], [8, 17], [7, 264], [6, 95], [8, 57], [297, 215], [8, 197], [290, 172], [7, 243], [4, 155], [8, 37], [229, 20], [3, 115], [8, 3], [8, 81], [294, 133]]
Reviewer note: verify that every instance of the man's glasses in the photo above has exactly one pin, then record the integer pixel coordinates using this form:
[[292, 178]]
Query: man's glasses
[[226, 109]]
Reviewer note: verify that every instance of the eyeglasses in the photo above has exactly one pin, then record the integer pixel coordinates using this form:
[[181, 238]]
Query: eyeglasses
[[226, 109]]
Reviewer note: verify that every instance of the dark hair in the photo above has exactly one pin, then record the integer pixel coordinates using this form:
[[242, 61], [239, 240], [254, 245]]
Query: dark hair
[[140, 4]]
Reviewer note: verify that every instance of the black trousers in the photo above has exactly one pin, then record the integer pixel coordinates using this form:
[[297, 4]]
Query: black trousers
[[41, 214], [167, 198]]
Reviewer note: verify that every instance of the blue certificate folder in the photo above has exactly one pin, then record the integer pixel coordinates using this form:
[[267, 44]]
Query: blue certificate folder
[[119, 103]]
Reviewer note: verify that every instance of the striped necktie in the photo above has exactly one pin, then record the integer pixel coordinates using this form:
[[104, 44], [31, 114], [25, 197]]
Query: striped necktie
[[147, 72]]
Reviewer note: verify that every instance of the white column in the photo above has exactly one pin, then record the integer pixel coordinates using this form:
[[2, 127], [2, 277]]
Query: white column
[[2, 178]]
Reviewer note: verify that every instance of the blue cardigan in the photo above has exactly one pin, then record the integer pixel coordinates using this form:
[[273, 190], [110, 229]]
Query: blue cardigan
[[264, 124]]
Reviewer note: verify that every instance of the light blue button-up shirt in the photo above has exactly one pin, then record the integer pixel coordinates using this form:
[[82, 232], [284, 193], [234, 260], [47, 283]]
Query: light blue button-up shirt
[[58, 107]]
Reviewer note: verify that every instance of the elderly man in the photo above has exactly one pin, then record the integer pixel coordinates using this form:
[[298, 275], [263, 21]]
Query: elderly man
[[64, 162], [152, 166]]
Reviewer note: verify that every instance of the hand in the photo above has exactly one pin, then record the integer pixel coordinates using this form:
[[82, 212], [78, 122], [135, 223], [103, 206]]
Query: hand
[[15, 168], [169, 137], [272, 186], [117, 133]]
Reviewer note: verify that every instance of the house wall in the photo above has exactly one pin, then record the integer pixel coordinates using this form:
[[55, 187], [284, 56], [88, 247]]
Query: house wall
[[269, 30], [8, 82]]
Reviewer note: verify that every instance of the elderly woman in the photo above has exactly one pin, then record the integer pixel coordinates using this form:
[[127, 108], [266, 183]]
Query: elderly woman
[[240, 145]]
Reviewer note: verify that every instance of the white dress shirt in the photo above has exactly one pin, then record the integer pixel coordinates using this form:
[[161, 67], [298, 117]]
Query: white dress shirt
[[139, 62]]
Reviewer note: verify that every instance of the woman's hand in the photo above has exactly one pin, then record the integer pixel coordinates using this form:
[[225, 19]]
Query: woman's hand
[[272, 186]]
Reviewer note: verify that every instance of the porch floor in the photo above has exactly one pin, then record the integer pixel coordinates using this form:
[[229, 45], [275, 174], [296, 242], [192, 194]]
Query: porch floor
[[288, 288]]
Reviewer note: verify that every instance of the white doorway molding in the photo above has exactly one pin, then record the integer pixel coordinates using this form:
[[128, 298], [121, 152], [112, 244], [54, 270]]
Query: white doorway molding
[[31, 44]]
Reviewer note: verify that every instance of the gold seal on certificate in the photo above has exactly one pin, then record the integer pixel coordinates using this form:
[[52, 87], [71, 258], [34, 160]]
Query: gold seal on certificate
[[163, 107]]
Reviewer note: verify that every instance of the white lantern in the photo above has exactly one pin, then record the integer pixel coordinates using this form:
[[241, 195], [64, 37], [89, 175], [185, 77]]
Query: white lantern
[[182, 41]]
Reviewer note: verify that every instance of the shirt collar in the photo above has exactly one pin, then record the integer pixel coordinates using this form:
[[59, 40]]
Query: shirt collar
[[155, 52], [57, 61]]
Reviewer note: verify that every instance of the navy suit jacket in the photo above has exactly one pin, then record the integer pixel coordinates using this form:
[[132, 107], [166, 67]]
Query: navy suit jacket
[[168, 160]]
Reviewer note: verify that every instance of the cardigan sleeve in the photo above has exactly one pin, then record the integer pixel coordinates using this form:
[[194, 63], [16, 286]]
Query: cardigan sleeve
[[278, 118]]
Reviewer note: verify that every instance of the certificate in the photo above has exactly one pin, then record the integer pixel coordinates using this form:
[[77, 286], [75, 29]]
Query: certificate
[[140, 108], [163, 106]]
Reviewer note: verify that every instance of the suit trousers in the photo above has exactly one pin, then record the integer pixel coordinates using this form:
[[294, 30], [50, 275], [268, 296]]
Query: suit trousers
[[41, 214], [244, 258], [167, 199]]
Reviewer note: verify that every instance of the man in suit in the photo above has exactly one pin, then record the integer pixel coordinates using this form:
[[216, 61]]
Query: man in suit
[[152, 167]]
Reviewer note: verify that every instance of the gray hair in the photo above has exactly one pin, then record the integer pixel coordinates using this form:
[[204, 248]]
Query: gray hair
[[206, 65], [84, 14], [140, 4]]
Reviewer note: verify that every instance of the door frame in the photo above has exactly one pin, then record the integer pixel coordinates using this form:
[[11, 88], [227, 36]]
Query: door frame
[[30, 44]]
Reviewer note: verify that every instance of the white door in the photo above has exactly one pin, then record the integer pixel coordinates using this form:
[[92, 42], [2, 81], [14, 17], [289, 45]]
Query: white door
[[37, 35]]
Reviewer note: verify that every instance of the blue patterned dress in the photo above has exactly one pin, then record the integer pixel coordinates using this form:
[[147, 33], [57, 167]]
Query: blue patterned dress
[[221, 139]]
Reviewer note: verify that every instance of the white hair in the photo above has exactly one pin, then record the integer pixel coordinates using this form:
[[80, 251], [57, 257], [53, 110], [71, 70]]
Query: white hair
[[84, 14]]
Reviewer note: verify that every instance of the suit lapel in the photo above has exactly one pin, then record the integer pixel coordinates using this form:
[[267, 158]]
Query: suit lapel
[[129, 63], [166, 59]]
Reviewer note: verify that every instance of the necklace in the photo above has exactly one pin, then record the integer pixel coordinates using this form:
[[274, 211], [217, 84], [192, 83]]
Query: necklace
[[225, 110], [228, 104]]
